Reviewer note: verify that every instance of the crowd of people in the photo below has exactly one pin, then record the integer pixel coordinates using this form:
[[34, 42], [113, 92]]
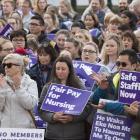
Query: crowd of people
[[40, 50]]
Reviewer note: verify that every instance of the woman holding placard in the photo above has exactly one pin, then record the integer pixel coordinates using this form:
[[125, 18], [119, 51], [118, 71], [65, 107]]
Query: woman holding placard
[[63, 126]]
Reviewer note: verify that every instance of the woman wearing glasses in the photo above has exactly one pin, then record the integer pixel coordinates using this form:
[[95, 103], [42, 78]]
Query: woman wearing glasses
[[18, 94], [90, 54], [19, 39]]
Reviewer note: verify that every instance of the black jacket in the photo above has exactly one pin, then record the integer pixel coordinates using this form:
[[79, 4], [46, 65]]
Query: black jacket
[[36, 72]]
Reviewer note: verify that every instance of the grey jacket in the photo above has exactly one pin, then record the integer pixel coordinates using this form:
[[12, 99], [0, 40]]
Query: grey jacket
[[14, 105], [74, 130]]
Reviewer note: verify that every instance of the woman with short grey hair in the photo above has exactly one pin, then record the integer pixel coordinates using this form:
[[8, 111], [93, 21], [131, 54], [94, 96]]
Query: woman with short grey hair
[[18, 94]]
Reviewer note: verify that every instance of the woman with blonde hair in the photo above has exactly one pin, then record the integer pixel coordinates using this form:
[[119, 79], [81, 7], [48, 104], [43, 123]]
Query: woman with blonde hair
[[41, 6], [18, 94], [2, 23], [83, 36], [107, 18], [110, 51], [66, 11], [51, 23], [6, 47], [60, 38], [114, 22]]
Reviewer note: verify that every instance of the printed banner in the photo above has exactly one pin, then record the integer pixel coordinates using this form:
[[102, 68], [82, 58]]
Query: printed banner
[[129, 90], [84, 70], [21, 134], [107, 126], [60, 98], [6, 31]]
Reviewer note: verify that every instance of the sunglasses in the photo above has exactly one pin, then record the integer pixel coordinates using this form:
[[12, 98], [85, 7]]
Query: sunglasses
[[123, 64], [9, 65]]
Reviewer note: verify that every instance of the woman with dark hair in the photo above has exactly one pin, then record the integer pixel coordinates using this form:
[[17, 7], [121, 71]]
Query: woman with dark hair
[[130, 41], [63, 126], [91, 21], [19, 39], [92, 24], [41, 71], [71, 80], [66, 12], [129, 18]]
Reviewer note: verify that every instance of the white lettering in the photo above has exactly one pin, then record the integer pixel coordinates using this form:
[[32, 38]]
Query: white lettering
[[73, 93], [127, 95], [57, 89], [129, 77]]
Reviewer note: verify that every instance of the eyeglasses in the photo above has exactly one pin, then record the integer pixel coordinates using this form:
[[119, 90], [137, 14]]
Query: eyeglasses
[[8, 49], [18, 40], [9, 65], [34, 24], [123, 64], [89, 51]]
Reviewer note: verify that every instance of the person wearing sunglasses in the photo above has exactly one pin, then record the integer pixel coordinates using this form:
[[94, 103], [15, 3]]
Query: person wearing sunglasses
[[18, 94], [127, 60]]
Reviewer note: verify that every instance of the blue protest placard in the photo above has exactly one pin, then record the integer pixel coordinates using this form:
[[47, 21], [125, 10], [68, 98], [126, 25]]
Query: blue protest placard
[[32, 58], [68, 100], [129, 89], [107, 126], [84, 70], [38, 121], [6, 31], [51, 36]]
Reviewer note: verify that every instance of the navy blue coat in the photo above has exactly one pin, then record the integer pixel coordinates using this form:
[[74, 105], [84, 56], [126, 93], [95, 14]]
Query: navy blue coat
[[36, 73]]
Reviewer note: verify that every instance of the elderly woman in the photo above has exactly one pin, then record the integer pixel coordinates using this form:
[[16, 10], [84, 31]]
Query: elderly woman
[[18, 94]]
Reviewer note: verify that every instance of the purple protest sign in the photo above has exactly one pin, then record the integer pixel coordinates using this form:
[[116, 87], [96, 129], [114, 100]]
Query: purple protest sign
[[110, 127], [51, 36], [107, 126], [60, 98], [84, 70], [129, 89], [33, 60], [6, 31], [39, 122]]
